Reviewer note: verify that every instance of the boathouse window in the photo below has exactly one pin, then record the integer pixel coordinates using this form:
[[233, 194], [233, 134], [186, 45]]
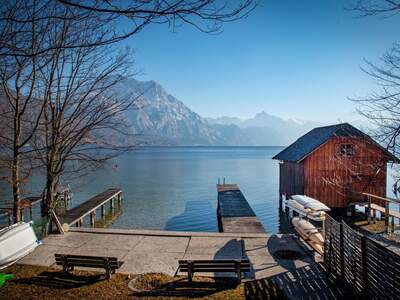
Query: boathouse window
[[346, 150]]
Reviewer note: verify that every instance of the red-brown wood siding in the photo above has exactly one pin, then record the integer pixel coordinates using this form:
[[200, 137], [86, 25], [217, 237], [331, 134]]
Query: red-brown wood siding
[[291, 178], [329, 176]]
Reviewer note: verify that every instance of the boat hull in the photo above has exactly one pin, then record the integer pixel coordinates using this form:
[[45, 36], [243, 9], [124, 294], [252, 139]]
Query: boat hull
[[308, 230], [306, 212], [16, 242], [310, 203]]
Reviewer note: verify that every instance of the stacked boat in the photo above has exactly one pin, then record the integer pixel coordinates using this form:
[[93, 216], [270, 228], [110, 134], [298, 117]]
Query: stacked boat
[[308, 209], [16, 241]]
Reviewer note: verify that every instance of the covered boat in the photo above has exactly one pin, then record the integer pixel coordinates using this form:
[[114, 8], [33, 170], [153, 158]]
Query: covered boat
[[306, 212], [16, 241], [310, 203], [309, 233]]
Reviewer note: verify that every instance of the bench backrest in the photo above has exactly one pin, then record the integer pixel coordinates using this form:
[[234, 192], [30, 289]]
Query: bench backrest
[[87, 261], [218, 265]]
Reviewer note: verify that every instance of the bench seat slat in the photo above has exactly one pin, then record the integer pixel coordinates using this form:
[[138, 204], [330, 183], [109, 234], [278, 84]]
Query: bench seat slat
[[213, 267], [228, 270], [73, 260], [90, 264], [216, 261], [84, 256]]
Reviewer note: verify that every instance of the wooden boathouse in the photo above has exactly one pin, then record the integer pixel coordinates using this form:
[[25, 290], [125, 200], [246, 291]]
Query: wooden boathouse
[[334, 164]]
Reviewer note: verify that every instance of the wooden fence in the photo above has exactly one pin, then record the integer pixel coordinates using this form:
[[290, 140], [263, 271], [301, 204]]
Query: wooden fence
[[370, 268]]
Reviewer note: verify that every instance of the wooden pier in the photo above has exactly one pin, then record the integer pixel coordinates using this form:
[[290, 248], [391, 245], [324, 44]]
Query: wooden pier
[[234, 212], [88, 208]]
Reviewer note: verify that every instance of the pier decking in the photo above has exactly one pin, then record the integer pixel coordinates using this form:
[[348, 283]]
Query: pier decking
[[234, 212], [76, 215]]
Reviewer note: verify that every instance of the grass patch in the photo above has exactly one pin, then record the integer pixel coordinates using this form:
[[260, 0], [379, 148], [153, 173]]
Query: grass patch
[[378, 227], [34, 282]]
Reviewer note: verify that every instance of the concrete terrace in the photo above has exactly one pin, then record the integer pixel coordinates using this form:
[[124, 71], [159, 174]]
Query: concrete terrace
[[159, 251], [144, 251]]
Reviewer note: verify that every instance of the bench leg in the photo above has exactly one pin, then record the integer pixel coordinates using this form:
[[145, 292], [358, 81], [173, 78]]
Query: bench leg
[[238, 272], [64, 264], [190, 271], [108, 269]]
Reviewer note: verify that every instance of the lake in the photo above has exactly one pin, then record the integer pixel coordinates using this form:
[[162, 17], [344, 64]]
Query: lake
[[174, 188]]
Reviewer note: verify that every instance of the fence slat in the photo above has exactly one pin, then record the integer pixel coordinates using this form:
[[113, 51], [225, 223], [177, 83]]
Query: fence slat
[[371, 269]]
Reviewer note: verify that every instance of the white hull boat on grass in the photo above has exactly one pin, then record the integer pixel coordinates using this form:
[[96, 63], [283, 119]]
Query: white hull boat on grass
[[16, 242]]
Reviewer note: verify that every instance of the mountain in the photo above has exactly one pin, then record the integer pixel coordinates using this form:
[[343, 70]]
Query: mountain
[[164, 120], [267, 129]]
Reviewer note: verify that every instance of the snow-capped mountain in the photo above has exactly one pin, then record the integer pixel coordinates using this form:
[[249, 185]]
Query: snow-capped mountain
[[164, 120]]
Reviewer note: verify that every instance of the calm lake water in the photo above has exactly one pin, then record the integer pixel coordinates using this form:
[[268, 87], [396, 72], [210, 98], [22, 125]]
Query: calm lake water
[[174, 188]]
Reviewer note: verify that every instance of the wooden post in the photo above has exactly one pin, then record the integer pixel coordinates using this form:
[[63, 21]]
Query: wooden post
[[280, 201], [341, 251], [112, 203], [387, 216], [119, 200], [392, 224], [102, 210], [374, 215], [92, 218], [369, 209], [364, 265]]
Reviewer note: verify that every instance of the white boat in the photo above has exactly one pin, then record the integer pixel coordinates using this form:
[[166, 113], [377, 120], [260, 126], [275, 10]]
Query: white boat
[[306, 212], [308, 230], [310, 203], [16, 241]]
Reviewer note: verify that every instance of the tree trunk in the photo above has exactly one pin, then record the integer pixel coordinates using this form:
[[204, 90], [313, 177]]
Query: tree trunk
[[16, 189], [48, 203], [16, 166]]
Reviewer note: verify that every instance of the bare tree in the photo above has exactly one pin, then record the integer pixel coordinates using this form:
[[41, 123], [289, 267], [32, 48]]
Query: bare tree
[[20, 111], [83, 117], [381, 107], [385, 8], [205, 15]]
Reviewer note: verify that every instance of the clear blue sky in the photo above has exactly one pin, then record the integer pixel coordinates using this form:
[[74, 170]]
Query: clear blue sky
[[294, 59]]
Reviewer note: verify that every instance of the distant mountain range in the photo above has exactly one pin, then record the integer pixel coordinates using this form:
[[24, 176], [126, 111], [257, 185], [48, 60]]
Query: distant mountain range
[[164, 120]]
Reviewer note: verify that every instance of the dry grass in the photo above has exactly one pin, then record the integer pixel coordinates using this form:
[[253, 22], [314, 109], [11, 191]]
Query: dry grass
[[378, 227], [34, 282]]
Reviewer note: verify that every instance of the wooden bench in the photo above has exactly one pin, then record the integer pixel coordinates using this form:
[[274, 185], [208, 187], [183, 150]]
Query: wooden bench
[[68, 262], [219, 265]]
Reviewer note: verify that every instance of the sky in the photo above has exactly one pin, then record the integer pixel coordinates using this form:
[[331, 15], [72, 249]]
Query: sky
[[293, 59]]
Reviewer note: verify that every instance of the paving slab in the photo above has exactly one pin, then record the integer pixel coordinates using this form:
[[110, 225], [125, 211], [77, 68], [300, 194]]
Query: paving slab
[[69, 239], [44, 255], [112, 241], [120, 254], [151, 244], [219, 248], [143, 262]]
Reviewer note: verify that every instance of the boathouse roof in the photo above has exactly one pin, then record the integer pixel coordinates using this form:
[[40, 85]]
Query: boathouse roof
[[309, 142]]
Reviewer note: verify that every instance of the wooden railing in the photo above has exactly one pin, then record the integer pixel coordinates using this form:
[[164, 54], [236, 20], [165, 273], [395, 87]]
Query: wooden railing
[[389, 215], [369, 267]]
